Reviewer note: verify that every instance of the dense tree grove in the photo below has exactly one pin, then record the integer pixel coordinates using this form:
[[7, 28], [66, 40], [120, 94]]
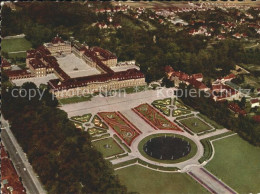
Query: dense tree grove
[[62, 156], [191, 54], [246, 127]]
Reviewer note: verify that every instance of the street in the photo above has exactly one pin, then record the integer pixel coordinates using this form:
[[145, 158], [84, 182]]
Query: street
[[21, 164]]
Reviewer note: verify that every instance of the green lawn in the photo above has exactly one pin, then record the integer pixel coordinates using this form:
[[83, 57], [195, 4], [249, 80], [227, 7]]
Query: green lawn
[[113, 150], [146, 181], [213, 123], [199, 127], [15, 44], [17, 55], [237, 163], [75, 99]]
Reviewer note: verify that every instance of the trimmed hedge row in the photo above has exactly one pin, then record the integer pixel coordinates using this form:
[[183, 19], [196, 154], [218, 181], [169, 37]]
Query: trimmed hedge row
[[99, 137], [137, 160], [185, 116], [207, 150]]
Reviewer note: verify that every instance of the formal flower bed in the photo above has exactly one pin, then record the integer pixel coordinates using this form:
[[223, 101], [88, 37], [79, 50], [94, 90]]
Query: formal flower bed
[[179, 112], [123, 128], [96, 131], [161, 105], [84, 118], [180, 105], [98, 123], [78, 125], [154, 118], [165, 102]]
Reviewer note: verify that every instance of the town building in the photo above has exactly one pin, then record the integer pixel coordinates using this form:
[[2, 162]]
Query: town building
[[10, 181], [254, 103], [179, 77], [5, 65], [236, 109]]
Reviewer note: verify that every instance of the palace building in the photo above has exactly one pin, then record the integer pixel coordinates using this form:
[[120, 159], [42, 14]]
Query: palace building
[[43, 61]]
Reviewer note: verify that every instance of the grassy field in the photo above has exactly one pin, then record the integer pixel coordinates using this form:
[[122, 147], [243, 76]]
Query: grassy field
[[200, 125], [213, 123], [17, 55], [15, 44], [113, 150], [75, 99], [237, 163], [146, 181]]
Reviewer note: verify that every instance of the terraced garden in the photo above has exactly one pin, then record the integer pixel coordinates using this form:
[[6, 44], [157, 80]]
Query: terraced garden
[[154, 118]]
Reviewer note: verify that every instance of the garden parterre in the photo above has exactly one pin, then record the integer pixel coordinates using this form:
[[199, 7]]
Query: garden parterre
[[154, 118], [124, 129]]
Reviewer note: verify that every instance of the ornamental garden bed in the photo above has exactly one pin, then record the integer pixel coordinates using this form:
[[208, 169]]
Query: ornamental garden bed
[[83, 119], [180, 112], [96, 131], [78, 125], [123, 128], [154, 118], [161, 105], [98, 123]]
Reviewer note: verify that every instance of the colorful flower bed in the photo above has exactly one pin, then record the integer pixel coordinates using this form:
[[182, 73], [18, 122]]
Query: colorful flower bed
[[179, 112], [180, 105], [161, 105], [96, 131], [78, 125], [124, 129], [154, 118], [98, 122], [165, 102], [84, 118]]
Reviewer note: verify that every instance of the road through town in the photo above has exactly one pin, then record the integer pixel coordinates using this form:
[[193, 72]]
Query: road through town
[[20, 162]]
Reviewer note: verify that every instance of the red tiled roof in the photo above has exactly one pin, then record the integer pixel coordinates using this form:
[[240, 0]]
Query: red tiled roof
[[197, 75], [234, 107], [84, 81], [254, 101], [104, 53], [5, 63], [197, 84], [36, 63], [257, 118], [16, 73], [230, 76], [9, 173], [168, 69], [56, 40]]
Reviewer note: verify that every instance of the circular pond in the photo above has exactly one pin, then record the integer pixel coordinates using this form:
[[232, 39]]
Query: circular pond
[[167, 148]]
